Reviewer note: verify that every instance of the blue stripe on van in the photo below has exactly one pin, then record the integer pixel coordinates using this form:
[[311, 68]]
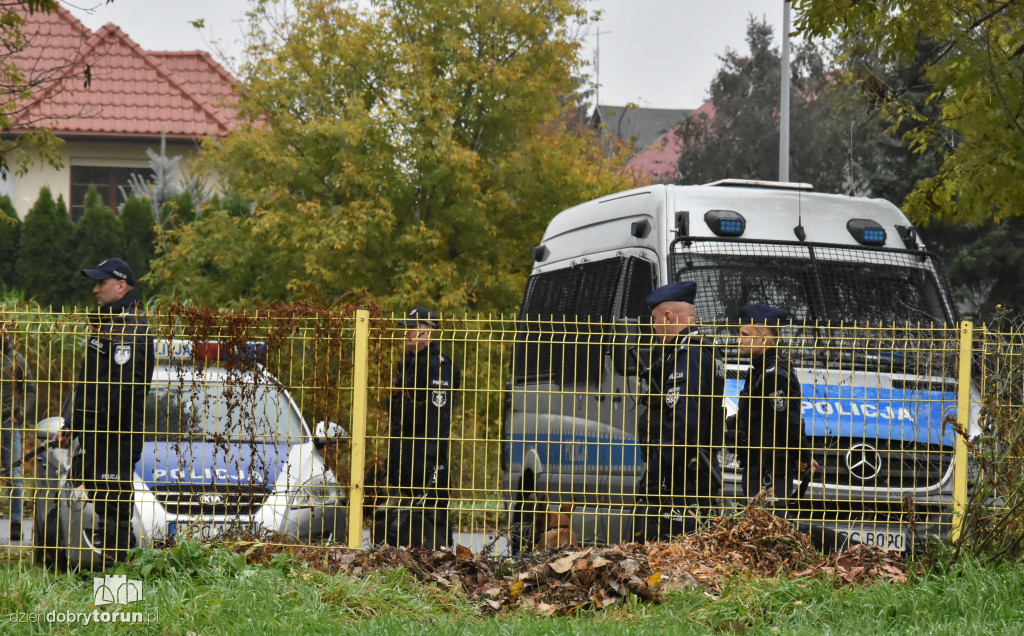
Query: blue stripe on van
[[873, 413]]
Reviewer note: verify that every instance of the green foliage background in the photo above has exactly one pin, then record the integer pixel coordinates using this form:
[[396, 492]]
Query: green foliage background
[[418, 152]]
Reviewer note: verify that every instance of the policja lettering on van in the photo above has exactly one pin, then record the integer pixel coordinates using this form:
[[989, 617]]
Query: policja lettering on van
[[859, 409]]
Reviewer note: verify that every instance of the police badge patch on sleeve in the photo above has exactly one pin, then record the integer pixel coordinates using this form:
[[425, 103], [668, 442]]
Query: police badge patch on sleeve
[[438, 398], [122, 353], [672, 396], [780, 400]]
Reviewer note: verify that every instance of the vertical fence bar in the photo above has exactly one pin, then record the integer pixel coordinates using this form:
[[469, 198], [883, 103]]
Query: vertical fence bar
[[358, 443], [963, 407]]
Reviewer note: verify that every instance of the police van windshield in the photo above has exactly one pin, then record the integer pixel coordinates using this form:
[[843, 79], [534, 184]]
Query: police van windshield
[[176, 411], [892, 295]]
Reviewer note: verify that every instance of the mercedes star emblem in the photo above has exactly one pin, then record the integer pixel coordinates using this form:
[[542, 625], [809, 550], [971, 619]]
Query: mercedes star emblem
[[863, 461]]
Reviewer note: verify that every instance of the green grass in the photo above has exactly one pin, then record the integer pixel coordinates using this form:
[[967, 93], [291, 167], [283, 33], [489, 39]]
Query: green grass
[[189, 588]]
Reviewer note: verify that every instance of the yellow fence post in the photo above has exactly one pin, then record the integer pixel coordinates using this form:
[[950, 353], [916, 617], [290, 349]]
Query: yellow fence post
[[963, 408], [358, 442]]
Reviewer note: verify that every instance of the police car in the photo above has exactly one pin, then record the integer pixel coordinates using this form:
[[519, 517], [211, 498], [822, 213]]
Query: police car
[[225, 450]]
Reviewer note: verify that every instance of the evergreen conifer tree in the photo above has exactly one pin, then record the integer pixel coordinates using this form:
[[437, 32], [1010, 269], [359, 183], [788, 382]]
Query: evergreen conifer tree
[[139, 234], [98, 236], [46, 265], [10, 234]]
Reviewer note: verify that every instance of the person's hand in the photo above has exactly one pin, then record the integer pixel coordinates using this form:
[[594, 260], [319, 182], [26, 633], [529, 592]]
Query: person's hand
[[814, 466], [62, 438]]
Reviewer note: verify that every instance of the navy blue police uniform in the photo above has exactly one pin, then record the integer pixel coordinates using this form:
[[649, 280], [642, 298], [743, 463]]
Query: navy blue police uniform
[[685, 418], [416, 511], [108, 407], [771, 441]]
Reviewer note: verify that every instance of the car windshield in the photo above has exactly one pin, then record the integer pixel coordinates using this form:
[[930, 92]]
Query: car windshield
[[216, 406]]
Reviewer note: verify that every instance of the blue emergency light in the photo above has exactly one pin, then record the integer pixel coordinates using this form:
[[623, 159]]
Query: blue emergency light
[[725, 222], [866, 231]]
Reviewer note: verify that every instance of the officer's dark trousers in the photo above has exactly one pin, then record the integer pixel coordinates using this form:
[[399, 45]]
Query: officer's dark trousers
[[108, 480], [665, 518], [415, 517], [757, 478], [676, 507]]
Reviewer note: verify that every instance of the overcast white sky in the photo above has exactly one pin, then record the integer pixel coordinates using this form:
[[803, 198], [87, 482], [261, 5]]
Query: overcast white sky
[[655, 53]]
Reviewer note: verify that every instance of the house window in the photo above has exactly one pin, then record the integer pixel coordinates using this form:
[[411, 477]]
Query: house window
[[106, 179]]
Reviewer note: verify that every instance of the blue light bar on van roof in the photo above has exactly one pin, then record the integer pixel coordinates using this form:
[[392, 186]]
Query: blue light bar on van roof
[[725, 222], [866, 231]]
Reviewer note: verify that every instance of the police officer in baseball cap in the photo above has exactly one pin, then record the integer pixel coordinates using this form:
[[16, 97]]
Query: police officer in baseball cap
[[108, 403], [416, 511], [771, 444], [769, 427], [685, 414]]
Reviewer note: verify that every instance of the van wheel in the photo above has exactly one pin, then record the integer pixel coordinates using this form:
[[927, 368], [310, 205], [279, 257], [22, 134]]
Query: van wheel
[[523, 515]]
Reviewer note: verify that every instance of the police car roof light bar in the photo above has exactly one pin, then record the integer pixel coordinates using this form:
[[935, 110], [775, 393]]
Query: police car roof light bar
[[209, 351]]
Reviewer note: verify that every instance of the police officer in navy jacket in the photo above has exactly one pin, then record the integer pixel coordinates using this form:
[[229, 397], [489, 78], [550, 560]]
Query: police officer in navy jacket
[[772, 446], [109, 403], [418, 447], [685, 418]]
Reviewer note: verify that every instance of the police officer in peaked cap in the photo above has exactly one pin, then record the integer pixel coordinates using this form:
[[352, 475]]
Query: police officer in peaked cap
[[772, 445], [106, 412], [416, 511], [685, 416]]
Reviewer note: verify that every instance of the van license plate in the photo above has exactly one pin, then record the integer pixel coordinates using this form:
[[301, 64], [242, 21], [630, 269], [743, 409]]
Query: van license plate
[[887, 539]]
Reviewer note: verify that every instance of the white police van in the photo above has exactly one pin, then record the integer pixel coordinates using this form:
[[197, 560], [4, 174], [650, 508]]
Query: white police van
[[875, 399], [225, 449]]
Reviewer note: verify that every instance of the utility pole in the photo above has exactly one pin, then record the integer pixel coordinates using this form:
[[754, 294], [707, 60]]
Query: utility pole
[[784, 98], [597, 67]]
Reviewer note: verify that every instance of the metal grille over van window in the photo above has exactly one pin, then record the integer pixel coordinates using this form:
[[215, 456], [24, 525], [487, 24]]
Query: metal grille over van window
[[814, 282], [557, 337], [638, 283]]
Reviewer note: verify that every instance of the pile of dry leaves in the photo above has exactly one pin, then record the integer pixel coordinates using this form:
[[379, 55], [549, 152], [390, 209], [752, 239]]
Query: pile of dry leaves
[[567, 580]]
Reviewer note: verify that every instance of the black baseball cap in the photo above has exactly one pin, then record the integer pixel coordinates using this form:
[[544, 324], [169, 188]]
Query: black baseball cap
[[420, 316], [112, 268]]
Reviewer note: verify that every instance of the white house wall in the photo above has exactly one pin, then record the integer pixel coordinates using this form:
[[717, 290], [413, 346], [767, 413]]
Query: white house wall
[[24, 190]]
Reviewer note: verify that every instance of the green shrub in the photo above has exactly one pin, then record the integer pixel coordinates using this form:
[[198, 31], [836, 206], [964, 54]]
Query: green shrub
[[46, 263], [10, 235]]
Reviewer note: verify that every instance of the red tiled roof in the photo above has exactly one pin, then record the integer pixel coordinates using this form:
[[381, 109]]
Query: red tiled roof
[[658, 161], [117, 88], [201, 74]]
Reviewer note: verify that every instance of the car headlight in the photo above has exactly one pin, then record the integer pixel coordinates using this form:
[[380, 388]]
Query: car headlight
[[319, 491]]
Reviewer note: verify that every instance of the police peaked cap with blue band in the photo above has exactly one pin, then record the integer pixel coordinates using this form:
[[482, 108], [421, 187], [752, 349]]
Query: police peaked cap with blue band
[[672, 293], [111, 268], [762, 315], [420, 316]]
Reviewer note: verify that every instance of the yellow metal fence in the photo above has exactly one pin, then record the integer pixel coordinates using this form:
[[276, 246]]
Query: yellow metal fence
[[506, 434]]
